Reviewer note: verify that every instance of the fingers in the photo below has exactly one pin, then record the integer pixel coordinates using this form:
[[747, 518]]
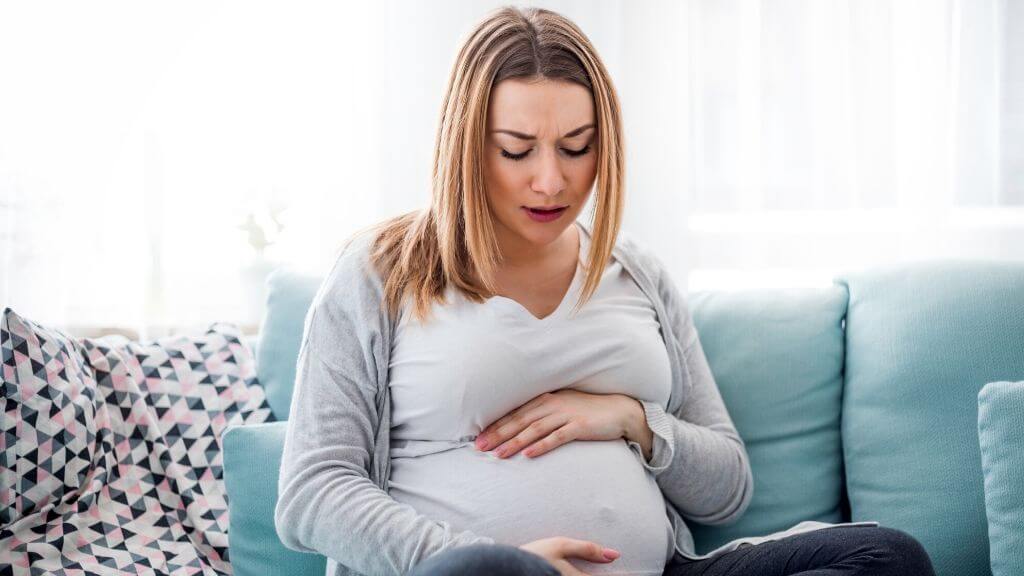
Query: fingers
[[587, 550], [563, 435], [511, 423], [517, 439], [520, 439]]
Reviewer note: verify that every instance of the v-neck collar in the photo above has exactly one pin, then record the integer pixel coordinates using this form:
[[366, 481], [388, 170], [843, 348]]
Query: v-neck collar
[[514, 309]]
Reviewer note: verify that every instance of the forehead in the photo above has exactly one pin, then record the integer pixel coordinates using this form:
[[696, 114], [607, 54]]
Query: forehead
[[547, 108]]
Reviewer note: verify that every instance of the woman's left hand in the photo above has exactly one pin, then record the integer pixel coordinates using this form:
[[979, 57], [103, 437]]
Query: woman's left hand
[[556, 418]]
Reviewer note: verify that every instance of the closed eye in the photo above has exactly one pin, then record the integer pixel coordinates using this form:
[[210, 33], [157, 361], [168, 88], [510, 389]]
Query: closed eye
[[569, 152]]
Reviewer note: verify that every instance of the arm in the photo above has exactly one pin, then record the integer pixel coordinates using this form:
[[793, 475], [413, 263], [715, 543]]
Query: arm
[[327, 501], [698, 458]]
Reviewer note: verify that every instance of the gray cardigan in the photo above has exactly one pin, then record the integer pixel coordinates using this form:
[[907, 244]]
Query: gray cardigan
[[333, 497]]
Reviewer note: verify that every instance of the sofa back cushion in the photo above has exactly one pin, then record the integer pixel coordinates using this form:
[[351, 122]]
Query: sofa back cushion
[[289, 296], [777, 357], [921, 341]]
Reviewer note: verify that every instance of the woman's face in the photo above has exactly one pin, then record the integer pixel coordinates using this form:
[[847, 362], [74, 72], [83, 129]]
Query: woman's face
[[540, 152]]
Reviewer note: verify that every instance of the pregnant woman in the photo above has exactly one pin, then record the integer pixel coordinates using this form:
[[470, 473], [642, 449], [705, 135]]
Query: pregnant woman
[[489, 386]]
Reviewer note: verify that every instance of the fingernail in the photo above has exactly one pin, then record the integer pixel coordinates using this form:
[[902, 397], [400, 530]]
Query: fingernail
[[611, 554]]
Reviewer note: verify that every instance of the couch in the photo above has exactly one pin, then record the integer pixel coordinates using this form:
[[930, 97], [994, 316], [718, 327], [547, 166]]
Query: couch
[[857, 401]]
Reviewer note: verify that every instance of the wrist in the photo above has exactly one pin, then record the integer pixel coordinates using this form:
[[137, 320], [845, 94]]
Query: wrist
[[636, 429]]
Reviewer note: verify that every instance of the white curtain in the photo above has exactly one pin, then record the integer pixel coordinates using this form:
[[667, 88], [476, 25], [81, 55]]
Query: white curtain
[[157, 159], [835, 135]]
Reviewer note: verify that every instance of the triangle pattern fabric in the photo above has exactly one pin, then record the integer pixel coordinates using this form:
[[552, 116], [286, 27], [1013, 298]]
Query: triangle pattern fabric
[[110, 451]]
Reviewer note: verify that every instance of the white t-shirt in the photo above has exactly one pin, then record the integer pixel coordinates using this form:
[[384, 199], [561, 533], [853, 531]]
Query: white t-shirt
[[472, 363]]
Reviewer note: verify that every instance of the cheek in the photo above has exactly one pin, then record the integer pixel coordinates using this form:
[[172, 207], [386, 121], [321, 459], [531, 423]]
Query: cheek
[[583, 172], [506, 180]]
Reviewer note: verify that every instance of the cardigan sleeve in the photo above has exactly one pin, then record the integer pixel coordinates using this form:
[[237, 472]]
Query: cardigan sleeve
[[328, 503], [698, 458]]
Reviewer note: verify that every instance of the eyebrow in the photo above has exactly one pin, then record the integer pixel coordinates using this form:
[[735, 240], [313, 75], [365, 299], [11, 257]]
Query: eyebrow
[[522, 136]]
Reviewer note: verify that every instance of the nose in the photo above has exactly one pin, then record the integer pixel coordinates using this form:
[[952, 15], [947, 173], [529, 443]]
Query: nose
[[549, 179]]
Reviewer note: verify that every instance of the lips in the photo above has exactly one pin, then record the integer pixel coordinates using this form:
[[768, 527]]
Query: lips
[[540, 214]]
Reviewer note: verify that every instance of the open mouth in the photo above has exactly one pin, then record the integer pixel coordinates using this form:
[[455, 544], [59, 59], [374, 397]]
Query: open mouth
[[544, 214]]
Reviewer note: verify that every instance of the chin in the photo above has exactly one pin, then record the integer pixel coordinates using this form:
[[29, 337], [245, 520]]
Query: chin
[[540, 234], [543, 237]]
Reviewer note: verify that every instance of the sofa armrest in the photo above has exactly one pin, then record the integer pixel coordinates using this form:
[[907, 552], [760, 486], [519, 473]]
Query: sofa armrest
[[252, 459]]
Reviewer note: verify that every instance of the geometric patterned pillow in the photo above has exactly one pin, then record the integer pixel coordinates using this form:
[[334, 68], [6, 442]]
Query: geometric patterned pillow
[[110, 452], [49, 418]]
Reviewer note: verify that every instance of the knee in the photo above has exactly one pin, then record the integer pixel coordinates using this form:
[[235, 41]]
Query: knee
[[903, 553], [496, 559]]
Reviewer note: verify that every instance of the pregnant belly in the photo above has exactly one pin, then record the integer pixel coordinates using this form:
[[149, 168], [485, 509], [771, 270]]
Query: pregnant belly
[[591, 490]]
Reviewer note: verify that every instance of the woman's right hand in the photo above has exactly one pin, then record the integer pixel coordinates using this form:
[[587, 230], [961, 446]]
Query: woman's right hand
[[557, 550]]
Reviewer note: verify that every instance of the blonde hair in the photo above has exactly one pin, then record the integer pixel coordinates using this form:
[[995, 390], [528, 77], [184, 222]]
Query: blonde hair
[[452, 243]]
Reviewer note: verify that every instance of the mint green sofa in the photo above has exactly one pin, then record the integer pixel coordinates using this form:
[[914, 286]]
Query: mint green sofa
[[858, 401]]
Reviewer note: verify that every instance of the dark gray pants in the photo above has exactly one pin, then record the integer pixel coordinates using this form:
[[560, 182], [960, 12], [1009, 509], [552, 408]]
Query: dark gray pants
[[840, 551]]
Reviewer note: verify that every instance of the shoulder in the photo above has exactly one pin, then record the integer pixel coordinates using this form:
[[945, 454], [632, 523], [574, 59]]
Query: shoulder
[[344, 328], [648, 264], [353, 264], [638, 256], [353, 287], [641, 256]]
